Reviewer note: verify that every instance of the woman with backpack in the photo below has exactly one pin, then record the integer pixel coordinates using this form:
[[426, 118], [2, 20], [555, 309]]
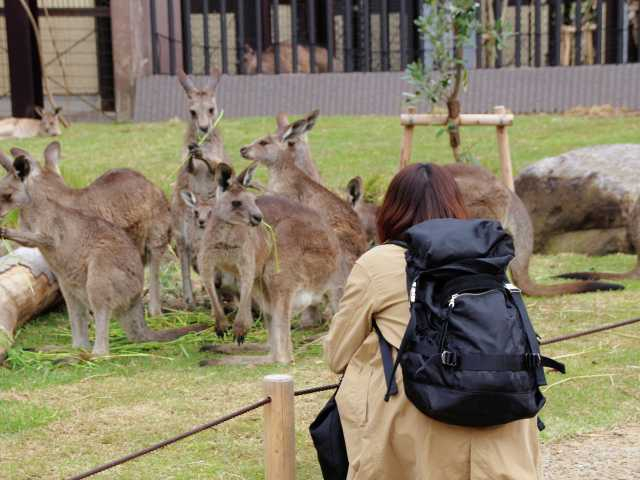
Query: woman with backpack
[[393, 439]]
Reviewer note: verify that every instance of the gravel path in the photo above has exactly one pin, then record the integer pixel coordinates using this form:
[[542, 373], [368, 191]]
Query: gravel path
[[611, 455]]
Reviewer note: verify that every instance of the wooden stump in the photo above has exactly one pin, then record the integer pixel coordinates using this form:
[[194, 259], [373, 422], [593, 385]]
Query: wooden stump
[[27, 288]]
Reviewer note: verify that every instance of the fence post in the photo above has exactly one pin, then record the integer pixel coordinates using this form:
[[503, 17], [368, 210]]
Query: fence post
[[505, 153], [279, 428], [407, 140]]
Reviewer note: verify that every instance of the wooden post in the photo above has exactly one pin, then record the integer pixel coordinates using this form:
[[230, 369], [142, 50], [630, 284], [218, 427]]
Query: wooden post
[[407, 139], [505, 154], [279, 428]]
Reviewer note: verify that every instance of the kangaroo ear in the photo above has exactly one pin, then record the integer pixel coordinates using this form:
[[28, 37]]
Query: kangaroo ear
[[39, 111], [188, 198], [186, 82], [224, 174], [245, 177], [294, 131], [311, 119], [52, 157], [57, 110], [354, 187], [6, 163], [214, 79], [22, 166], [281, 120]]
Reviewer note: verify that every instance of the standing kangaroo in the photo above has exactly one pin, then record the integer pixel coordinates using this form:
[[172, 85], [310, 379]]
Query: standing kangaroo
[[486, 197], [367, 211], [98, 268], [47, 126], [196, 173], [278, 154], [122, 197], [283, 278]]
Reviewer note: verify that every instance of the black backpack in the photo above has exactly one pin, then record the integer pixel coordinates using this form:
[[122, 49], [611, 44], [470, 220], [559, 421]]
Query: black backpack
[[469, 355]]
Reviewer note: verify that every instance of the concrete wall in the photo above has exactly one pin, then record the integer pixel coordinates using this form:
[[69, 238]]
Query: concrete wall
[[523, 90]]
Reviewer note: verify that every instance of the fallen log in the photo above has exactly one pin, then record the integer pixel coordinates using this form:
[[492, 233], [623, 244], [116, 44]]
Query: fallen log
[[27, 288]]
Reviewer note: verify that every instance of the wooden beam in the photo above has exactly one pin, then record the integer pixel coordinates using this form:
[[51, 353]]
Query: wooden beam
[[466, 119]]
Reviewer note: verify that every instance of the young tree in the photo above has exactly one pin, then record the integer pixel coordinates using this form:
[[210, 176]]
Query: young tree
[[447, 26]]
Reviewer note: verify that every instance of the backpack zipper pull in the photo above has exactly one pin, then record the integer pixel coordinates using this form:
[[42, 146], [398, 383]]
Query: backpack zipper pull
[[412, 292], [452, 301]]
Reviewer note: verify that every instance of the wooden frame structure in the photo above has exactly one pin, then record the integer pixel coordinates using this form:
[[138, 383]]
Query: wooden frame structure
[[499, 119]]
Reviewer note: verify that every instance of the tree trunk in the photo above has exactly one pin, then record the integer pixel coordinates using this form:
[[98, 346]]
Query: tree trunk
[[27, 288]]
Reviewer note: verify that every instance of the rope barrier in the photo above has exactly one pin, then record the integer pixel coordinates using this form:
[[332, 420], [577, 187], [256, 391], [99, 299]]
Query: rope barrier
[[590, 331], [175, 439]]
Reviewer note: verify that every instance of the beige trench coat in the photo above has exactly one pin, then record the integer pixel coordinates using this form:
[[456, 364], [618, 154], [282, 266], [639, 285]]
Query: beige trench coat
[[394, 440]]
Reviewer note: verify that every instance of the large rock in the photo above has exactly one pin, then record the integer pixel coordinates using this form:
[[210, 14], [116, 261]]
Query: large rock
[[589, 188], [601, 241]]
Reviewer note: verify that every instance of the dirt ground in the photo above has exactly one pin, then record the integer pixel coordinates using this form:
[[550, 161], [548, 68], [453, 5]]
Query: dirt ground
[[610, 455]]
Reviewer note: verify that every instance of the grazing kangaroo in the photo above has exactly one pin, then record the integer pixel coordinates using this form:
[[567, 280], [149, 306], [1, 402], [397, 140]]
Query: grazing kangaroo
[[286, 179], [97, 266], [367, 211], [250, 59], [196, 173], [486, 197], [283, 278], [122, 197], [47, 126], [304, 161], [633, 230]]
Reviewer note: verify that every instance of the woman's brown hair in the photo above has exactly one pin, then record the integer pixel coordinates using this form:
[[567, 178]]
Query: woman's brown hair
[[418, 192]]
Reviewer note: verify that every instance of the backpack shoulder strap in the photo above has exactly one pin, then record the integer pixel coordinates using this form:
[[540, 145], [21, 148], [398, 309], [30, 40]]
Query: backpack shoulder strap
[[387, 361], [399, 243], [533, 340]]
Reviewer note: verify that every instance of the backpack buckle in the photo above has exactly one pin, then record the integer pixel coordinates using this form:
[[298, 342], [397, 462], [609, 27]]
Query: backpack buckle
[[532, 360], [449, 359]]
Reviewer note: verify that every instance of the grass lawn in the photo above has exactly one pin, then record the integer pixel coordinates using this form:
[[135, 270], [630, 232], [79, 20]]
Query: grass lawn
[[59, 419]]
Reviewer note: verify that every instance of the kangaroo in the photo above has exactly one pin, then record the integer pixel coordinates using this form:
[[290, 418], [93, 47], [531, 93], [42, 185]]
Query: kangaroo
[[283, 278], [633, 231], [321, 55], [47, 126], [122, 197], [196, 173], [486, 197], [98, 267], [367, 211], [286, 179]]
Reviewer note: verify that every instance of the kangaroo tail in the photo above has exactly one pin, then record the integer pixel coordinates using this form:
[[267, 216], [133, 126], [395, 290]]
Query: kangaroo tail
[[529, 287], [137, 330], [634, 273]]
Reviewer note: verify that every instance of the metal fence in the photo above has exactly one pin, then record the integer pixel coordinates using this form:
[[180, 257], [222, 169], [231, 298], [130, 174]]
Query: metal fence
[[314, 36]]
